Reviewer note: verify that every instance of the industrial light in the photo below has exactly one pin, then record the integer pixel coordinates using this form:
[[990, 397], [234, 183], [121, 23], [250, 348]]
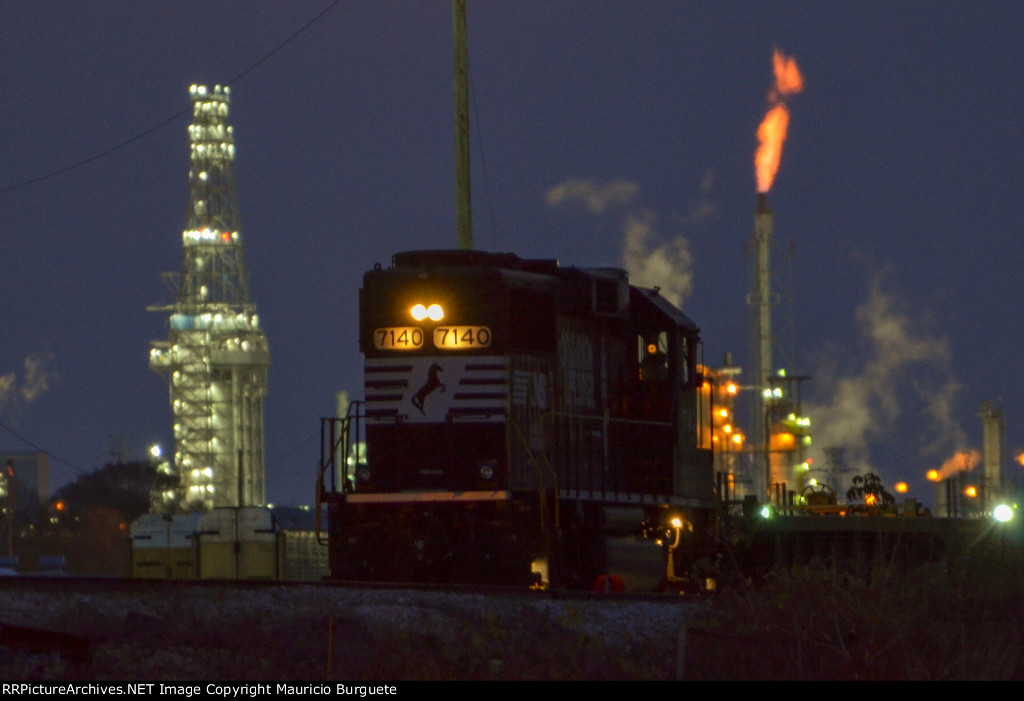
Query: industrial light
[[1002, 513]]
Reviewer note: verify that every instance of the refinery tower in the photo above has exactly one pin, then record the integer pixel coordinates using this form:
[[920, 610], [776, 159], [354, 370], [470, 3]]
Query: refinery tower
[[215, 358]]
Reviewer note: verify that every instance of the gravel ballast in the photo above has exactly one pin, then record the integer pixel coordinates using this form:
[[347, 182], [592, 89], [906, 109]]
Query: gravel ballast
[[320, 633]]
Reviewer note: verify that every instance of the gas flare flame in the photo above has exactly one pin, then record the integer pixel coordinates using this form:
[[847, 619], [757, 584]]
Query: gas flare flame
[[772, 132]]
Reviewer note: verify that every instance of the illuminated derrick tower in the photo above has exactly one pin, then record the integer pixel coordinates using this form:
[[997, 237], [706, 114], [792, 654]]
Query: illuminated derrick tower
[[215, 358]]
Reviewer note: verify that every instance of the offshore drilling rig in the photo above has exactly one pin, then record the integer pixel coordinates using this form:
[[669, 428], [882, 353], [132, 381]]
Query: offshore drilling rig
[[215, 358]]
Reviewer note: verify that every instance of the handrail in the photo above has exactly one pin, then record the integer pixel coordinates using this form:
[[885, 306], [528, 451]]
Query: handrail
[[343, 439], [540, 483]]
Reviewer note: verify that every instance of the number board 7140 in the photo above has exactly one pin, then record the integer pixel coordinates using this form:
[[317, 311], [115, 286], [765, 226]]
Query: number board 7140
[[398, 338], [461, 337]]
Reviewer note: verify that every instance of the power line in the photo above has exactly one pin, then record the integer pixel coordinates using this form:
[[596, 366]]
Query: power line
[[143, 134], [29, 443], [294, 449]]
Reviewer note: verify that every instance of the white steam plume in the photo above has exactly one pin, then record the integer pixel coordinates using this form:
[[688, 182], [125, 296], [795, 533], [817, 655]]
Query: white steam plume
[[37, 377], [652, 260], [866, 400], [7, 391], [595, 198], [35, 380]]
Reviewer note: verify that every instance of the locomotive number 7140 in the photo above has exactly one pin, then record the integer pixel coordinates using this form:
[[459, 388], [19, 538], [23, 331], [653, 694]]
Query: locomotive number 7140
[[462, 337], [398, 338]]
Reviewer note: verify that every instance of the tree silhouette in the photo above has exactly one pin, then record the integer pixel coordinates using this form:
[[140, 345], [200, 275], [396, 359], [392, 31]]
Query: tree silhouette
[[870, 489], [124, 487], [89, 518]]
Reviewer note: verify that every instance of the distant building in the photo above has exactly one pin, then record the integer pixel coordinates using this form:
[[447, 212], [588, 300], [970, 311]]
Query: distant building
[[31, 473]]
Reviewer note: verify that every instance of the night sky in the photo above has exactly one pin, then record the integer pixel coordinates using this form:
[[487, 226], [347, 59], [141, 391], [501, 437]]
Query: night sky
[[602, 132]]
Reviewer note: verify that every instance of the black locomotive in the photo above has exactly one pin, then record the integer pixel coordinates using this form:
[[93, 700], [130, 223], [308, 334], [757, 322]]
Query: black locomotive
[[519, 417]]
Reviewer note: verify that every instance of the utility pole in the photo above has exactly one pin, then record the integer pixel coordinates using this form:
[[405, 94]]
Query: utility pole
[[12, 503], [464, 220]]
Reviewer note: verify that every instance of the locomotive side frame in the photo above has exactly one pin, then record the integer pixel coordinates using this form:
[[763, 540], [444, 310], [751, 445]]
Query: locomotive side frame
[[567, 410]]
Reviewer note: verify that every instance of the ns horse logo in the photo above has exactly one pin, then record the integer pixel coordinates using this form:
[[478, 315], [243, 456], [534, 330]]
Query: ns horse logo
[[433, 383]]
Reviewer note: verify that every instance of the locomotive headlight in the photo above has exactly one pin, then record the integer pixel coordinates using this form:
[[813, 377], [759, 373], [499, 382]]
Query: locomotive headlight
[[434, 312]]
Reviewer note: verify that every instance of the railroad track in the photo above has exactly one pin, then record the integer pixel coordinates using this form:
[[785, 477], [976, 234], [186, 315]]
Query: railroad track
[[128, 585], [110, 628]]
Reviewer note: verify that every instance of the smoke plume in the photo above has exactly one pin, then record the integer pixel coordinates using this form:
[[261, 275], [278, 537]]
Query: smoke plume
[[597, 199], [652, 261], [964, 461], [866, 400], [35, 380], [7, 392], [650, 258]]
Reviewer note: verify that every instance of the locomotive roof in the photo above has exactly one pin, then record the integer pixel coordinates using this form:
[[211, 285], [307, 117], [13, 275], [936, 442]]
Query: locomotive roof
[[654, 298], [458, 258]]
